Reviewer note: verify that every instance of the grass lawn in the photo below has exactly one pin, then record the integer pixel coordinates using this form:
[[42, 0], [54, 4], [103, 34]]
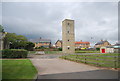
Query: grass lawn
[[18, 69], [53, 52], [86, 51], [103, 60]]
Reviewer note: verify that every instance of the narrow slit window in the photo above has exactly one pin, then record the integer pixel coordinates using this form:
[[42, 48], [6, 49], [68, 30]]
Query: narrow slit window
[[68, 32], [68, 23]]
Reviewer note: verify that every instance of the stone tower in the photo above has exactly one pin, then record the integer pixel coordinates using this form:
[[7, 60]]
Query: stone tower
[[68, 37]]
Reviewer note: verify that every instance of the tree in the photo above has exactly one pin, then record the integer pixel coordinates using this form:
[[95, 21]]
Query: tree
[[15, 41], [29, 46], [1, 28]]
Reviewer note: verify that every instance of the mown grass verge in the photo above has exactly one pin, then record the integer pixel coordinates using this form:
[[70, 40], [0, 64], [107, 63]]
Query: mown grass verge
[[18, 69], [53, 52], [31, 52], [86, 51]]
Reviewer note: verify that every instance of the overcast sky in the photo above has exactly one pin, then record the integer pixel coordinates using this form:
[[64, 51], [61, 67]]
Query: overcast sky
[[92, 19]]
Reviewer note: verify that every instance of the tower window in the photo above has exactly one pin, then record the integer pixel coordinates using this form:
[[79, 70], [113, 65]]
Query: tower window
[[68, 23]]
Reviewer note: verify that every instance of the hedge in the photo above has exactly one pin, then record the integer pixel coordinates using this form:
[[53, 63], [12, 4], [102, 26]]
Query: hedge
[[14, 53]]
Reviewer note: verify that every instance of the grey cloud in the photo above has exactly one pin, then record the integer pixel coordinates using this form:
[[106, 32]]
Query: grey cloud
[[34, 20]]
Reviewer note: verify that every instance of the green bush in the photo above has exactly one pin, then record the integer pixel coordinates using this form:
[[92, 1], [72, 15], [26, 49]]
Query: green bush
[[14, 53], [60, 49], [97, 49]]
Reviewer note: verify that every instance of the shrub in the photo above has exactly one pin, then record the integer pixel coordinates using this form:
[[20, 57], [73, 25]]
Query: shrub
[[60, 49], [14, 53], [97, 49]]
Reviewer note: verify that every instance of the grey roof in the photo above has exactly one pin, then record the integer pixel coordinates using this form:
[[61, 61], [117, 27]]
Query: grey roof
[[101, 42], [60, 41], [40, 40], [112, 46], [109, 46], [117, 44]]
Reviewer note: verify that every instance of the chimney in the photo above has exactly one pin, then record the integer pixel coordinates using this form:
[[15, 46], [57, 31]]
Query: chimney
[[101, 40]]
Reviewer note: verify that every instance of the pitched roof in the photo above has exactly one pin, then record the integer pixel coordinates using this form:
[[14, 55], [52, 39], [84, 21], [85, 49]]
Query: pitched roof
[[59, 41], [117, 44], [40, 40], [82, 42], [75, 42], [114, 46], [101, 42]]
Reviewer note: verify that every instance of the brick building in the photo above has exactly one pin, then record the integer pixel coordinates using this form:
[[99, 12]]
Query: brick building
[[82, 44], [79, 44], [58, 44], [42, 42], [102, 43]]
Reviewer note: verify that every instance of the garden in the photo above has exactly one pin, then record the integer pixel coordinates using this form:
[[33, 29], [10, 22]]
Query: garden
[[15, 65], [18, 69]]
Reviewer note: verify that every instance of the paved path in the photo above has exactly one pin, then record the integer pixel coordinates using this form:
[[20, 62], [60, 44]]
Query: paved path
[[51, 67]]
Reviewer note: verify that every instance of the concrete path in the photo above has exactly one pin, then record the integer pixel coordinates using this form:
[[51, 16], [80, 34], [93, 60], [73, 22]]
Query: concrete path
[[51, 67]]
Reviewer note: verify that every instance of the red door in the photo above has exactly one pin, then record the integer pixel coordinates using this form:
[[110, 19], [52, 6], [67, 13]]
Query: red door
[[103, 50]]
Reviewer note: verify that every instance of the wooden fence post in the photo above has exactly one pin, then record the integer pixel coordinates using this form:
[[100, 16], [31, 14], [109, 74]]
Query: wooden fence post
[[76, 57], [97, 61], [85, 58], [65, 57], [115, 62]]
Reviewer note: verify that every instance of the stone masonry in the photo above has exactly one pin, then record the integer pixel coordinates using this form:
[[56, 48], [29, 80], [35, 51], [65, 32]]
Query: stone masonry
[[68, 36]]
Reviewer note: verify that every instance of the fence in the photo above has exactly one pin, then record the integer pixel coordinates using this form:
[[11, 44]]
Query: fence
[[98, 60]]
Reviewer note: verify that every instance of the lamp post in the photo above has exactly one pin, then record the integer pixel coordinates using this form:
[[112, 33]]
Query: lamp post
[[92, 42]]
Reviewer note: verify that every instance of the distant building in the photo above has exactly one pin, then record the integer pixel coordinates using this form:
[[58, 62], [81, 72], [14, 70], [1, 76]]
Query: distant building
[[82, 44], [110, 49], [58, 44], [42, 42], [79, 44], [102, 43], [117, 44]]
